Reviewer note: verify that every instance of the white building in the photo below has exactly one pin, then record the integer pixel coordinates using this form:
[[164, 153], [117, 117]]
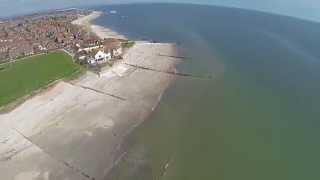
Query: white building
[[89, 49], [41, 48], [81, 58], [102, 57]]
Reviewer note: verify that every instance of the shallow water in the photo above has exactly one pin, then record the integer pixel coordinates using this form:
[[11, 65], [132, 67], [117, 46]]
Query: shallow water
[[258, 118]]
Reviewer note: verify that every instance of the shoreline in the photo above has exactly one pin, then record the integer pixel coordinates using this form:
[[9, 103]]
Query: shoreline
[[77, 129], [101, 31]]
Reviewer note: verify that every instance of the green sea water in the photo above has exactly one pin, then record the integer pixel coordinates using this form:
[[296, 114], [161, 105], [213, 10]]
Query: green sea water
[[257, 119]]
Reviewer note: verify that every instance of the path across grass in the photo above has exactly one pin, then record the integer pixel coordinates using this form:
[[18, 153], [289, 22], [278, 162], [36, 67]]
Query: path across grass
[[22, 77]]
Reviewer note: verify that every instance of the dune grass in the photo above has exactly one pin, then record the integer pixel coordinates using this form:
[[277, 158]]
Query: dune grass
[[22, 77]]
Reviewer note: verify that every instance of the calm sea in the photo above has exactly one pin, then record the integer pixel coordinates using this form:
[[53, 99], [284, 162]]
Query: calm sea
[[257, 119]]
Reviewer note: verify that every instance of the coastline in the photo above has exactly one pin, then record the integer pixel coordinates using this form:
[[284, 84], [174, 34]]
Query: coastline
[[77, 129], [100, 31]]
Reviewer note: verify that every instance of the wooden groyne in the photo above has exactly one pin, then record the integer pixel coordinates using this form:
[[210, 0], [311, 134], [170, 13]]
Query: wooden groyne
[[175, 73]]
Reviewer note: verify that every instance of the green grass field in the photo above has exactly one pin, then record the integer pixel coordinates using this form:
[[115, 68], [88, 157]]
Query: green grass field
[[25, 76]]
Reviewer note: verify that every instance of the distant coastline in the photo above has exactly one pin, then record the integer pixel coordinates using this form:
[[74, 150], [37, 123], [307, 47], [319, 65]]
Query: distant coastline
[[100, 31]]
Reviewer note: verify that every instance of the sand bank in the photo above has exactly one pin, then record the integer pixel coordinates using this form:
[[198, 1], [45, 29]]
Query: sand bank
[[75, 130], [100, 31]]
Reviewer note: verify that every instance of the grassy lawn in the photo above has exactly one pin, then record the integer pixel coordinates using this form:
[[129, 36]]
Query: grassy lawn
[[22, 77]]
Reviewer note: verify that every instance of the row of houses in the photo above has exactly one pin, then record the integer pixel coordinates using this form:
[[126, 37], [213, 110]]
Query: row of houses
[[32, 34]]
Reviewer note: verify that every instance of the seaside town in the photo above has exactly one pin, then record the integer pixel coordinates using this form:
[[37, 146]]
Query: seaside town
[[52, 109], [40, 33]]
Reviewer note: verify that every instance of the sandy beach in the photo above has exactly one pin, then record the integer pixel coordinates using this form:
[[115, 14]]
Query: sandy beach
[[75, 130], [100, 31]]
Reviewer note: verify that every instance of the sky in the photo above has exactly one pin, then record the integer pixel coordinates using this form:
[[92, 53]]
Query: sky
[[306, 9]]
